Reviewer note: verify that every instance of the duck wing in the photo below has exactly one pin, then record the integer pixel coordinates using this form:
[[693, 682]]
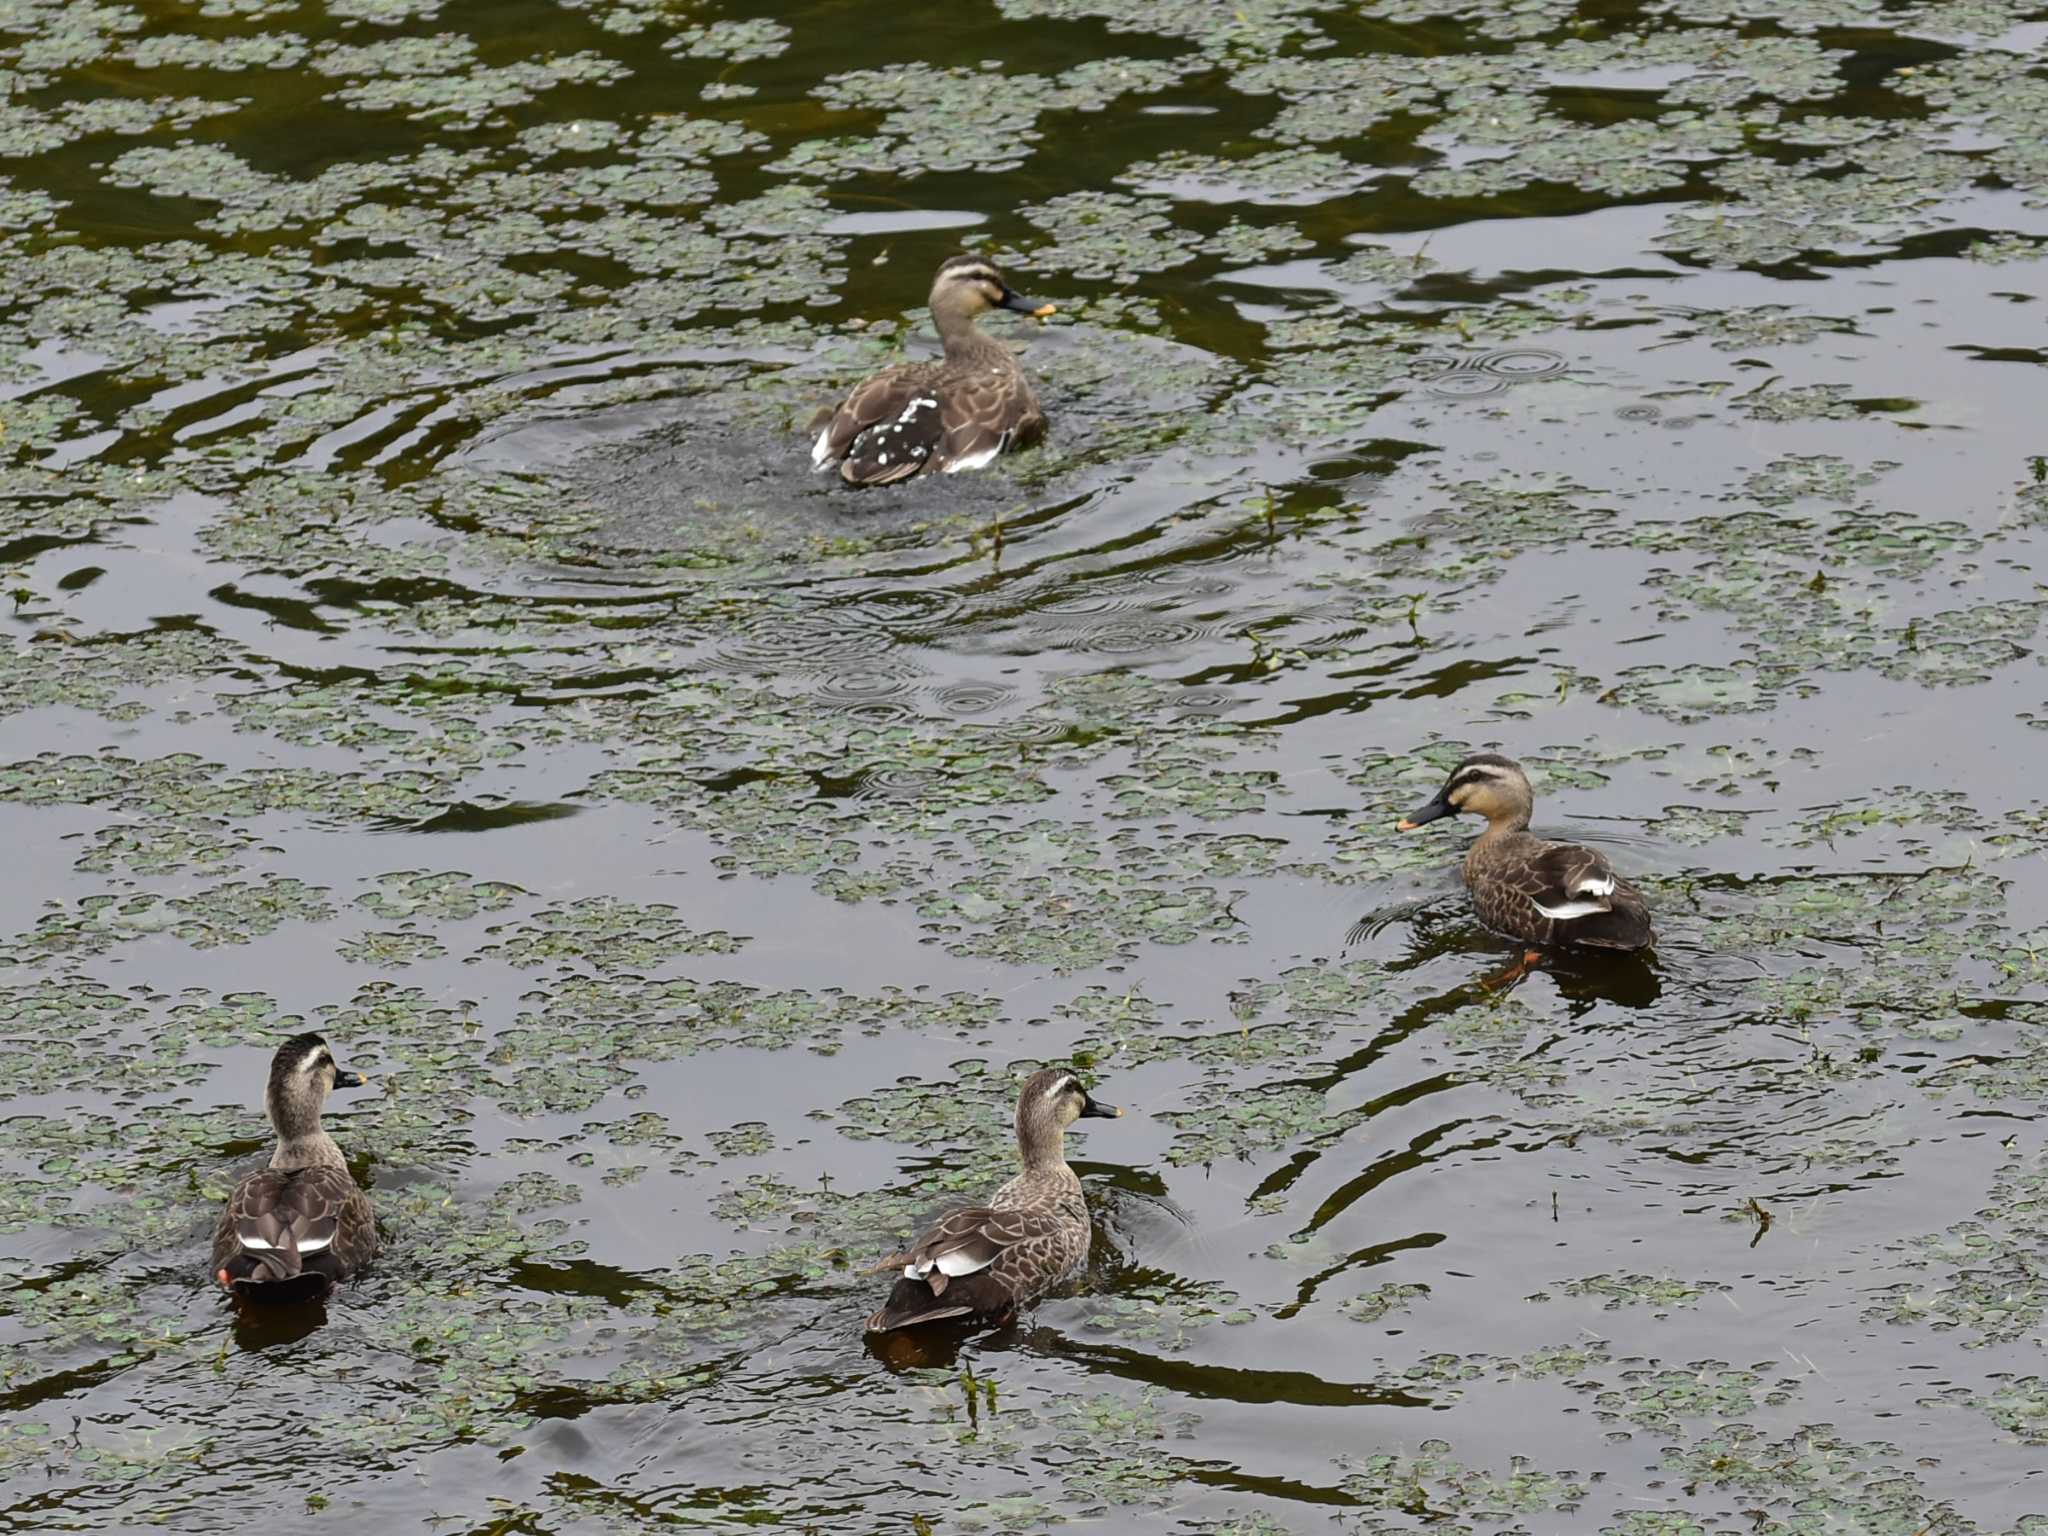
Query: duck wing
[[281, 1223], [1563, 893], [958, 1267], [1565, 881], [886, 430], [988, 411]]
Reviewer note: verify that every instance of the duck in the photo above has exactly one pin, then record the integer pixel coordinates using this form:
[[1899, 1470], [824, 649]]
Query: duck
[[1545, 893], [940, 417], [985, 1261], [294, 1230]]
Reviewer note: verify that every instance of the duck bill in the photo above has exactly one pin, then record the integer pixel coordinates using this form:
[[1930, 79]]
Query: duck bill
[[1094, 1109], [1012, 299], [1422, 815], [348, 1079]]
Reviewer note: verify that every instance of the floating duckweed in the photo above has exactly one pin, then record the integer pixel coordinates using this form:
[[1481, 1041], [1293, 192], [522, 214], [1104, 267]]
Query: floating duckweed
[[312, 307], [1164, 1317], [1981, 1274], [1117, 237], [1659, 1293], [1384, 1301], [233, 912], [606, 932], [1690, 693], [1235, 1125], [1658, 1398], [448, 897], [391, 950], [736, 40], [1392, 1482]]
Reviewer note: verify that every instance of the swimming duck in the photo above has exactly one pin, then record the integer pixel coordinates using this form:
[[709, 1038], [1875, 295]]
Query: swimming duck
[[986, 1260], [1524, 886], [939, 417], [291, 1231]]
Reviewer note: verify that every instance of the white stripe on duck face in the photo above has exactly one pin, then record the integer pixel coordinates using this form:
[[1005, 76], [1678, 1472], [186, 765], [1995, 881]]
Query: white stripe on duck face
[[1054, 1089], [1476, 773]]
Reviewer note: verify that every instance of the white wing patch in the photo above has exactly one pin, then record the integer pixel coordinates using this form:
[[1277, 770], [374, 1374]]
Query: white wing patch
[[1569, 909], [952, 1265], [981, 459], [255, 1244], [1594, 885], [821, 450]]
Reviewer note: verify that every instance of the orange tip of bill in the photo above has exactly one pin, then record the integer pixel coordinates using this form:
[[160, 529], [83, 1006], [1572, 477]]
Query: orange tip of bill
[[1043, 310], [1405, 825]]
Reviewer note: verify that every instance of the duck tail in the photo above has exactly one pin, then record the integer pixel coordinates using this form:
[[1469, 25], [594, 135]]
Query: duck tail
[[890, 1318], [272, 1245], [913, 1303]]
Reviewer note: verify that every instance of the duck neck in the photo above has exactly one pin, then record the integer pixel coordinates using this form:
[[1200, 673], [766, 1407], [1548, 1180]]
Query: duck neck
[[1505, 824], [1041, 1146], [964, 341], [308, 1149]]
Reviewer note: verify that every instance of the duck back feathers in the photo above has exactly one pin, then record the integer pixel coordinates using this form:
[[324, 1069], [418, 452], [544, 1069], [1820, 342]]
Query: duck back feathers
[[931, 418], [293, 1234], [1555, 893], [985, 1260]]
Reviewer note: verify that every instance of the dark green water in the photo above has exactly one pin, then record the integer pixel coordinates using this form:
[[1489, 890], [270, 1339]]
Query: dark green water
[[423, 626]]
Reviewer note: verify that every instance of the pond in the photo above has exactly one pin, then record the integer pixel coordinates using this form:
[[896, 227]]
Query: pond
[[424, 627]]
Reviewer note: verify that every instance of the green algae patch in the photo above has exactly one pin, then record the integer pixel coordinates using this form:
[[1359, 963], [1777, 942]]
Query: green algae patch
[[1661, 1294], [1982, 1274], [1384, 1301], [1393, 1483], [233, 912], [604, 932], [1162, 1317], [449, 897], [1225, 1125]]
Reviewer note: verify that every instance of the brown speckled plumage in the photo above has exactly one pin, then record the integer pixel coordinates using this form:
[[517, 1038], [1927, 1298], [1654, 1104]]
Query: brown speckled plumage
[[1528, 887], [293, 1230], [986, 1260], [933, 418]]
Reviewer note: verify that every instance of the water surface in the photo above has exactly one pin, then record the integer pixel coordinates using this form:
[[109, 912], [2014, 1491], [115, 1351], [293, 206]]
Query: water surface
[[423, 627]]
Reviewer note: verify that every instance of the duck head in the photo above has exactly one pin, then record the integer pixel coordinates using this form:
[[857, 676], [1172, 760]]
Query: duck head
[[302, 1074], [1051, 1101], [968, 287], [1484, 784]]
